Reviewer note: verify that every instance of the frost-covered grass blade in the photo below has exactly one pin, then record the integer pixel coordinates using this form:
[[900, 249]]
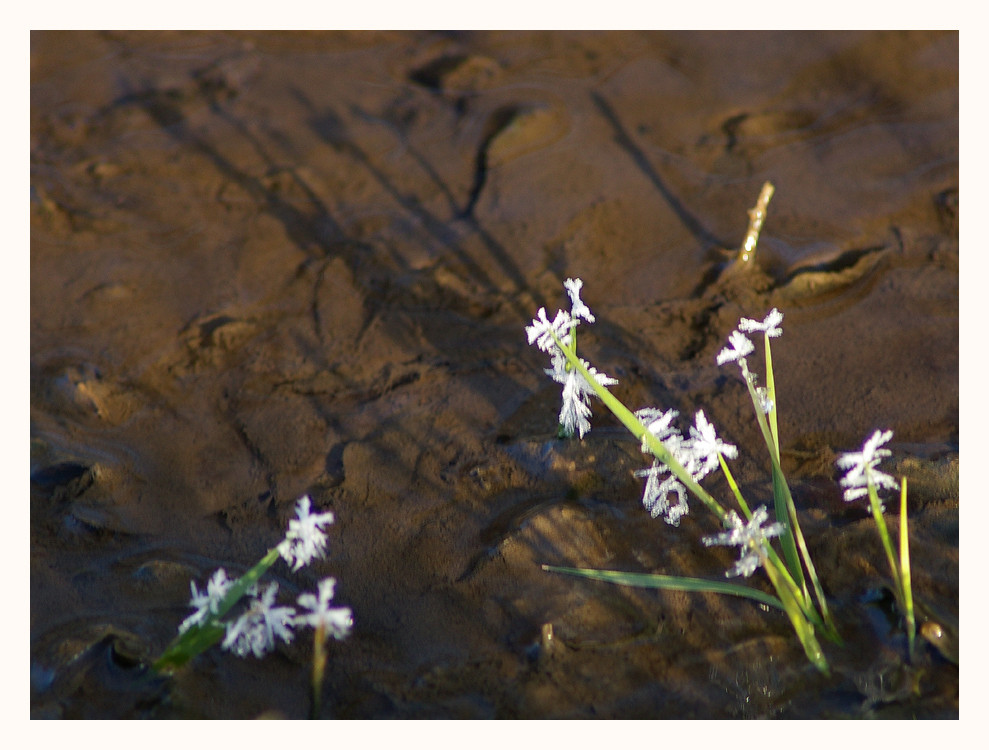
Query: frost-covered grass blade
[[681, 461]]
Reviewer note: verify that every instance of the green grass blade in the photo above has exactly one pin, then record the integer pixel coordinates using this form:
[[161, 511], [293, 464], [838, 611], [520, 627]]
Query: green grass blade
[[640, 432], [793, 538], [781, 492], [198, 638], [734, 488], [801, 597], [905, 569], [806, 605], [877, 514], [670, 583], [771, 394], [798, 535], [780, 489], [190, 644], [801, 625], [797, 606]]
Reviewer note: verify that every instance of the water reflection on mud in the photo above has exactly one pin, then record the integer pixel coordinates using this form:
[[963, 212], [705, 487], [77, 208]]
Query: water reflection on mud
[[271, 264]]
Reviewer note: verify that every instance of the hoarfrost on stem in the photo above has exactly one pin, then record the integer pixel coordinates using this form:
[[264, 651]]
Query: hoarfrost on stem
[[656, 494], [549, 336], [255, 630], [576, 411], [206, 601], [697, 454], [658, 422], [750, 537]]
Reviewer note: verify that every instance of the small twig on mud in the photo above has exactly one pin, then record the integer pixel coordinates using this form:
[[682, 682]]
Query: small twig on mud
[[757, 215]]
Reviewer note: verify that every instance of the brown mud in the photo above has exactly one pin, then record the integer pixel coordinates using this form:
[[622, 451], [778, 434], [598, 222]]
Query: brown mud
[[264, 265]]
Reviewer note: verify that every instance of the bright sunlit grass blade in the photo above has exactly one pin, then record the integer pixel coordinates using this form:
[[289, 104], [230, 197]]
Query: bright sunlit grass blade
[[779, 481], [771, 395], [798, 537], [801, 625], [784, 577], [788, 540], [734, 487], [793, 539], [780, 489], [863, 478], [905, 569], [877, 514], [670, 583], [634, 425]]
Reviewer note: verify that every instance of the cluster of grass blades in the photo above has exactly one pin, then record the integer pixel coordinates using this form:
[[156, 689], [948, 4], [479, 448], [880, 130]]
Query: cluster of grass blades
[[683, 461]]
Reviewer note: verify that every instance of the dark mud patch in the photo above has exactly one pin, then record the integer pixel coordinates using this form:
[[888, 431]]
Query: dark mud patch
[[271, 264]]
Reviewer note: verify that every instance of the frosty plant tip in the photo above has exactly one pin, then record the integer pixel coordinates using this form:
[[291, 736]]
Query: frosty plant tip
[[681, 461], [575, 412], [679, 464], [261, 624], [863, 479]]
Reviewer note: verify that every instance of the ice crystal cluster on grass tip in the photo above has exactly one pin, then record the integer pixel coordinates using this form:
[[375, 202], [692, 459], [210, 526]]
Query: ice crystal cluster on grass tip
[[750, 536], [576, 410], [305, 539], [539, 332], [335, 621], [256, 629], [208, 601], [698, 454], [740, 346], [861, 468], [577, 307], [770, 325]]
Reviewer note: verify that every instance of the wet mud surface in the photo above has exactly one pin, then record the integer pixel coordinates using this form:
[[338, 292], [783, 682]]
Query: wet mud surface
[[265, 265]]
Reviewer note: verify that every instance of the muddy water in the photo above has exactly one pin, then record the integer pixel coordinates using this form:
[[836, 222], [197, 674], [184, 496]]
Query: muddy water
[[271, 264]]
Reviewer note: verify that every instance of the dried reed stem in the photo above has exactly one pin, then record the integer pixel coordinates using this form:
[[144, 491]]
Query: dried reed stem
[[757, 215]]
